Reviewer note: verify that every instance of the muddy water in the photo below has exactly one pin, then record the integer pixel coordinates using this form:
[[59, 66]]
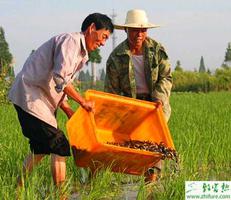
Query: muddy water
[[129, 192]]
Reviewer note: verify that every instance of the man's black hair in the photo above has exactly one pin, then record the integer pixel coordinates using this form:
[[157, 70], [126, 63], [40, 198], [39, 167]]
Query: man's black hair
[[100, 20]]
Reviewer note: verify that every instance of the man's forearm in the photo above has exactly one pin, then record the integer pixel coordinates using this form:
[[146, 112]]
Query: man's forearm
[[67, 109], [71, 92]]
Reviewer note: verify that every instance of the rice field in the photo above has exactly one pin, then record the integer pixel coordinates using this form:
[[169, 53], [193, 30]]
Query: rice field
[[200, 127]]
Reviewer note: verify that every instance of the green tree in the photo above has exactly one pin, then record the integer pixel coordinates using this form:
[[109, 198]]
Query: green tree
[[102, 74], [227, 61], [87, 76], [202, 65], [178, 66], [5, 55], [94, 57], [228, 53], [223, 76], [82, 76], [6, 68]]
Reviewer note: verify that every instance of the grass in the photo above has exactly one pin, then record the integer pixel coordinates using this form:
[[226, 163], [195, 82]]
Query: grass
[[200, 127]]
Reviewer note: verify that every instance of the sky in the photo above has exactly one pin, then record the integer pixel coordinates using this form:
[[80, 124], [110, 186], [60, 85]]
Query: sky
[[189, 28]]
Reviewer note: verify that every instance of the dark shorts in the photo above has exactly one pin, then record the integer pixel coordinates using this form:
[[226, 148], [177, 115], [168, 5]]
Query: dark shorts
[[43, 138]]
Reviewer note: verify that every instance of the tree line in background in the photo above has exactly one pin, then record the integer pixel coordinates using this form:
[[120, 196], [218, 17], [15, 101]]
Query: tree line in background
[[85, 76], [6, 67], [201, 80]]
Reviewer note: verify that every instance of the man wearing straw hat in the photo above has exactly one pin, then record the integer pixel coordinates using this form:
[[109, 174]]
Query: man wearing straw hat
[[139, 68]]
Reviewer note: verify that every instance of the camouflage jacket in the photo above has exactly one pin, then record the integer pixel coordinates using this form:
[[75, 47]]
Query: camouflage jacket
[[120, 77]]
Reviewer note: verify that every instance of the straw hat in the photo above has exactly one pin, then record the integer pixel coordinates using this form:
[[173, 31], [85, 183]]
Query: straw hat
[[136, 19]]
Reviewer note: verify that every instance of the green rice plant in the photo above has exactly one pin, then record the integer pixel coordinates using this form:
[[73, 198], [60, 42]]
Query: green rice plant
[[200, 127]]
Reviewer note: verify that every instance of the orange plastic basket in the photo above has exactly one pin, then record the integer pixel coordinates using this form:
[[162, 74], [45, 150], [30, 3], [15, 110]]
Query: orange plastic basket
[[117, 119]]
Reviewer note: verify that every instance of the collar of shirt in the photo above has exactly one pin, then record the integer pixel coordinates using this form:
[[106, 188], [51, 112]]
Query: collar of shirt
[[83, 47]]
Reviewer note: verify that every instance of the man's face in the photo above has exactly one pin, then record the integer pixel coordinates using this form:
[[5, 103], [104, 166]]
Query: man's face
[[136, 37], [96, 38]]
